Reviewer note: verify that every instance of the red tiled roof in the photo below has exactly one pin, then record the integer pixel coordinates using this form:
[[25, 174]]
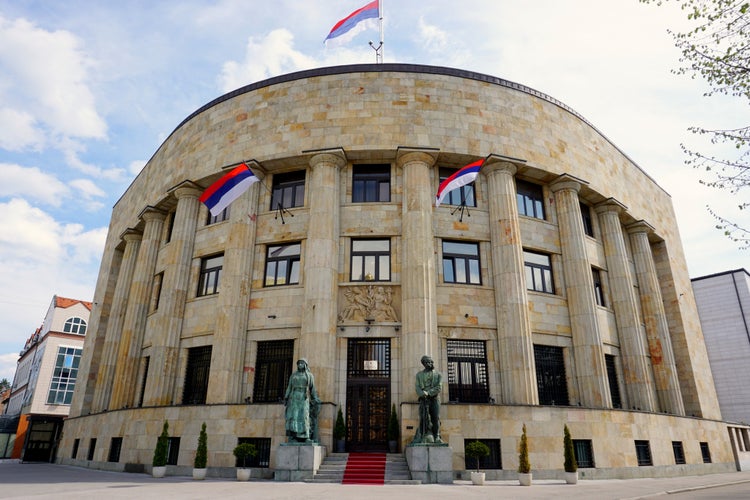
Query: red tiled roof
[[64, 302]]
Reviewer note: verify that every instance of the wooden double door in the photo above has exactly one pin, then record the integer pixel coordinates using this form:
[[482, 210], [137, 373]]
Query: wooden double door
[[368, 394]]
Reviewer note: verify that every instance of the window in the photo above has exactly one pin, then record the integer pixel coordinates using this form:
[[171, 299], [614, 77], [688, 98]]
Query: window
[[584, 453], [491, 461], [461, 263], [288, 190], [75, 325], [146, 363], [679, 453], [588, 223], [467, 371], [92, 448], [371, 183], [173, 450], [196, 375], [643, 452], [550, 375], [208, 283], [64, 377], [115, 445], [614, 387], [221, 217], [76, 444], [530, 199], [538, 272], [273, 364], [371, 260], [156, 291], [282, 264], [461, 196], [706, 452], [170, 227], [596, 275], [263, 458]]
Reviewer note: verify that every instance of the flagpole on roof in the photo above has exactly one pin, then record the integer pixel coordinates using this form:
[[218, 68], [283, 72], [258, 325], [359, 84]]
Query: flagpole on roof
[[379, 49]]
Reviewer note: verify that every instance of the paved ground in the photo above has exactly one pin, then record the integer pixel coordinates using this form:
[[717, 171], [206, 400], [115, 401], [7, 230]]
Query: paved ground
[[40, 481]]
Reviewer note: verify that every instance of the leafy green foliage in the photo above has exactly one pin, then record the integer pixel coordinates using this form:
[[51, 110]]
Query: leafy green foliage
[[244, 450], [162, 446], [570, 457], [339, 428], [201, 454], [393, 424], [524, 466], [4, 385], [476, 450]]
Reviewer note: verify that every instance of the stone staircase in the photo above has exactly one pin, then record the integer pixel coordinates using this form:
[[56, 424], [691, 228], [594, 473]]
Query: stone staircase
[[333, 467]]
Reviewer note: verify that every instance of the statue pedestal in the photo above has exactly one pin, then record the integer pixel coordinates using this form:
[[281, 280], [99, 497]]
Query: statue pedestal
[[430, 463], [297, 462]]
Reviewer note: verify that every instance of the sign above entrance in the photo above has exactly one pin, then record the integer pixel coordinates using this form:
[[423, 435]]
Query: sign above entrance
[[371, 364]]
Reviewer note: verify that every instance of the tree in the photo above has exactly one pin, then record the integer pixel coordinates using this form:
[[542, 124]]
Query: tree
[[162, 447], [201, 453], [570, 463], [716, 49], [524, 466], [4, 385]]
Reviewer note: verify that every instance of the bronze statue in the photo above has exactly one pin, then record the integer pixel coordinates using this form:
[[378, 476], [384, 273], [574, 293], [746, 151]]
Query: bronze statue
[[302, 406], [428, 385]]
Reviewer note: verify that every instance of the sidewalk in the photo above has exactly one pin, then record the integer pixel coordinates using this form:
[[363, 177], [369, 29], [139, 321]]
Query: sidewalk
[[42, 481]]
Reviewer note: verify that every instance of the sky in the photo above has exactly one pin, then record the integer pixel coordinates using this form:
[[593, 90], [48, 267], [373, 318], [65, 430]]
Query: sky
[[90, 89]]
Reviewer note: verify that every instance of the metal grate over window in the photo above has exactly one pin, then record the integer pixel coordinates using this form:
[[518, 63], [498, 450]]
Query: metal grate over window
[[369, 358], [679, 453], [273, 365], [584, 453], [492, 461], [263, 458], [643, 452], [196, 375], [550, 375], [467, 371]]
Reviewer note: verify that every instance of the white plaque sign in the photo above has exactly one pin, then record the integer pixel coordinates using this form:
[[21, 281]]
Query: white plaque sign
[[371, 364]]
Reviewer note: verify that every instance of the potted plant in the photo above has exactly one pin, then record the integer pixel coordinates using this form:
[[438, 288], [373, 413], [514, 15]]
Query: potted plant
[[393, 430], [476, 450], [524, 466], [201, 455], [159, 463], [242, 451], [339, 433], [571, 466]]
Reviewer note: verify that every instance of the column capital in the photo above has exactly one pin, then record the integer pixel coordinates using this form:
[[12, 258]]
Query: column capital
[[131, 234], [152, 213], [335, 156], [640, 226], [186, 189], [495, 163], [406, 155], [567, 181], [610, 205]]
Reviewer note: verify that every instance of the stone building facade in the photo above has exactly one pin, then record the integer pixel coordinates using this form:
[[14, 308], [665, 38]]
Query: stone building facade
[[552, 291]]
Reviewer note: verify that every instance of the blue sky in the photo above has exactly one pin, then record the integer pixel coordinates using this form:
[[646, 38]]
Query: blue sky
[[89, 90]]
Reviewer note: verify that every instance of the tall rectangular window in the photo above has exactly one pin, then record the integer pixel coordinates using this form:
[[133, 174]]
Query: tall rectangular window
[[491, 461], [588, 223], [371, 183], [679, 453], [196, 376], [460, 196], [288, 190], [92, 448], [146, 363], [643, 452], [538, 269], [467, 371], [706, 453], [584, 453], [614, 386], [76, 444], [461, 262], [273, 364], [371, 260], [64, 376], [596, 276], [208, 282], [550, 375], [530, 199], [220, 217], [156, 291], [173, 450], [115, 445], [282, 264], [170, 227]]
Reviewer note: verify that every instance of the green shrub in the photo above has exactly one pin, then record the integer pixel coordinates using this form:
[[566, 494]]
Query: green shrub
[[244, 450], [476, 450], [393, 424], [339, 429], [201, 454], [162, 446], [570, 457], [524, 467]]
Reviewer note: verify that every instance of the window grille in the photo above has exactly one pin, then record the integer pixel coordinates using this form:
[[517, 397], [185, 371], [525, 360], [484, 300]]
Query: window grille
[[173, 450], [679, 453], [263, 458], [530, 199], [461, 262], [706, 453], [584, 453], [115, 445], [288, 190], [282, 264], [196, 375], [465, 195], [492, 461], [371, 183], [538, 269], [614, 387], [369, 358], [467, 371], [273, 365], [371, 260], [643, 452], [208, 283], [550, 375]]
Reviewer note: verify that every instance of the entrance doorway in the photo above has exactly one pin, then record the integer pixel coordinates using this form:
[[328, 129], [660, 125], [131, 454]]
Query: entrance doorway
[[368, 394]]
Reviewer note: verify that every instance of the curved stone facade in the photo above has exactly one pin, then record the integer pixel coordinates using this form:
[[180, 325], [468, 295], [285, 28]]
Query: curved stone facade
[[561, 296]]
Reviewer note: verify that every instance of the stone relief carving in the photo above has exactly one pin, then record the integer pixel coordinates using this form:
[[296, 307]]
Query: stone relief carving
[[368, 302]]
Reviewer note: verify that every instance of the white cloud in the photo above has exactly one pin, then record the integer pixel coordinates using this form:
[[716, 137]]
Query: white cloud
[[431, 37], [19, 131], [31, 183], [136, 166]]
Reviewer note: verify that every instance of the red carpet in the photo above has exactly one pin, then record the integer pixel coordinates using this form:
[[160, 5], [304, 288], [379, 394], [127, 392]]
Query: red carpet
[[365, 468]]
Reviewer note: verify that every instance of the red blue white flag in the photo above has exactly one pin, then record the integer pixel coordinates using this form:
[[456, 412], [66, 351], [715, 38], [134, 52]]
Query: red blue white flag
[[352, 24], [460, 178], [221, 193]]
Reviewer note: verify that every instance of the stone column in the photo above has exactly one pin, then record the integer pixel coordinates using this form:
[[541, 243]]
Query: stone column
[[515, 346], [136, 312], [418, 275], [655, 318], [638, 378], [165, 350], [105, 376], [321, 260], [588, 348], [230, 334]]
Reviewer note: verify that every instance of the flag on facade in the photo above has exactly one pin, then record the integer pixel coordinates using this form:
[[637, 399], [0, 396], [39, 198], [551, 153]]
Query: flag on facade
[[221, 193], [353, 23], [460, 178]]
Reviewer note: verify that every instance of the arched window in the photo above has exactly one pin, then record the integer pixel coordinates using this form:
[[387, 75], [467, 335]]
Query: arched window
[[75, 325]]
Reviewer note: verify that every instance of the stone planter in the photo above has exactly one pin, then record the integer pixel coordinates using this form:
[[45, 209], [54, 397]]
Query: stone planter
[[392, 446], [243, 474], [524, 479], [571, 477], [199, 474], [158, 470], [340, 445], [477, 478]]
